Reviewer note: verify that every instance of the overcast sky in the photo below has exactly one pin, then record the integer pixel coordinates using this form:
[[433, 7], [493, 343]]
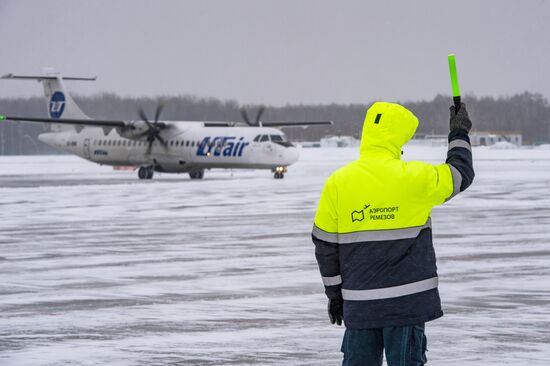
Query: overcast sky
[[277, 52]]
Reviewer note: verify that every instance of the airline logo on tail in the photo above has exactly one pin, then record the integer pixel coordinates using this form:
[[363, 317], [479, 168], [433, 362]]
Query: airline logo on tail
[[57, 104]]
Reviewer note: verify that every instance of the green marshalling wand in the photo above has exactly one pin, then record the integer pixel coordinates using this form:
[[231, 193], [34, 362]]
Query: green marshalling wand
[[454, 81]]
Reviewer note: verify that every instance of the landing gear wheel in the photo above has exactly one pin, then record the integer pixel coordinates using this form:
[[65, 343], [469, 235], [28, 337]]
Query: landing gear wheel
[[278, 175], [145, 172], [196, 174], [142, 172]]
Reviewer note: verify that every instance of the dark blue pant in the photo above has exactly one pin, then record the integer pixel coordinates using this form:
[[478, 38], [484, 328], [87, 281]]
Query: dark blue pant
[[404, 346]]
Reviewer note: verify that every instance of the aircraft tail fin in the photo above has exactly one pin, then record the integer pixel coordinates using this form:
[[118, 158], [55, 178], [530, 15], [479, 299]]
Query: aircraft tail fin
[[58, 101]]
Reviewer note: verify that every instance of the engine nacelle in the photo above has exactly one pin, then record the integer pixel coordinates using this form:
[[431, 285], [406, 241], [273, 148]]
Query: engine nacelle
[[135, 130]]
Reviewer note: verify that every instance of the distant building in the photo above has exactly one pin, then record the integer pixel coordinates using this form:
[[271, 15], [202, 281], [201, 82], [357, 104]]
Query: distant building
[[488, 138], [339, 141], [310, 144], [423, 139]]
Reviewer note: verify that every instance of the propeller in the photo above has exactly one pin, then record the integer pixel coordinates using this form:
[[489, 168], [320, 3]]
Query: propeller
[[154, 128], [257, 121]]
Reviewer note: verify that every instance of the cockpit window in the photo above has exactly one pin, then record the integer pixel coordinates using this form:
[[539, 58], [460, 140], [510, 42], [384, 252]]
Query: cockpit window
[[257, 138], [264, 138], [281, 140]]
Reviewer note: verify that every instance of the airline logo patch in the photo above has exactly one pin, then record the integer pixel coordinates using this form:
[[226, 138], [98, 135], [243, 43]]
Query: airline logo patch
[[57, 104], [375, 213]]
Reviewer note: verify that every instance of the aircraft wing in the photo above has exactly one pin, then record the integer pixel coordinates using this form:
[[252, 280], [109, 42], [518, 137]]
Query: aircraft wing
[[78, 122], [219, 124], [121, 123], [268, 124], [295, 124]]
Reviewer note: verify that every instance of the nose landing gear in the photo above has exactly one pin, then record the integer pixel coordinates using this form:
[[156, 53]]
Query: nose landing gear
[[145, 172], [279, 172], [196, 174]]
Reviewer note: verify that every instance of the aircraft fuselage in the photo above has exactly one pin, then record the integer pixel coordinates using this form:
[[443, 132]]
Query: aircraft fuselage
[[189, 146]]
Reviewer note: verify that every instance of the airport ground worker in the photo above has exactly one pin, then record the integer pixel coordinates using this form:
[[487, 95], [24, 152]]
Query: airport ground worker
[[373, 237]]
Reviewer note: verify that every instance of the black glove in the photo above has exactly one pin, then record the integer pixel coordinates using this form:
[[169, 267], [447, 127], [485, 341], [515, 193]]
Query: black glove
[[336, 310], [460, 119]]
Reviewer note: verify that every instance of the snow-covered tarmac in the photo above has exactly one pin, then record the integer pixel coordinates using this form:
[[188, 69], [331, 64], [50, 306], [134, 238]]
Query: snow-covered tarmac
[[97, 267]]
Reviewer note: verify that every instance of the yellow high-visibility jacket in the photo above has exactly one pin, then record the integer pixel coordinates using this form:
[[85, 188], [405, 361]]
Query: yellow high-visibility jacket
[[372, 229]]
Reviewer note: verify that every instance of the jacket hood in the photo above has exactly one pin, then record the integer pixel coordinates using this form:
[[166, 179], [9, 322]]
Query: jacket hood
[[387, 127]]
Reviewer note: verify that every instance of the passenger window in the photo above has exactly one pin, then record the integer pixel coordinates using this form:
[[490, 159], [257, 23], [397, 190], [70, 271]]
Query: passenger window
[[264, 138], [192, 143], [187, 143]]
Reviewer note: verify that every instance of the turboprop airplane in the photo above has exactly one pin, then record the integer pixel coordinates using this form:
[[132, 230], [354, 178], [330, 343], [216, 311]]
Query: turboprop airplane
[[162, 146]]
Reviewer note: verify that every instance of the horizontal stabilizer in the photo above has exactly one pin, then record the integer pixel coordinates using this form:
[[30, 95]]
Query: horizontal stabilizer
[[45, 77]]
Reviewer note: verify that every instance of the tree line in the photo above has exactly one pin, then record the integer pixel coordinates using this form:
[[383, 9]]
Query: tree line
[[528, 113]]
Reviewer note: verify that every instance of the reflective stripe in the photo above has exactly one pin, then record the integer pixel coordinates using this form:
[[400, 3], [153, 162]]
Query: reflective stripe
[[323, 235], [390, 292], [460, 143], [457, 181], [380, 235], [332, 281]]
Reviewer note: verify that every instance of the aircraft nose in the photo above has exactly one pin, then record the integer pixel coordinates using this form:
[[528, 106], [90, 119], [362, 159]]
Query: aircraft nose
[[292, 155]]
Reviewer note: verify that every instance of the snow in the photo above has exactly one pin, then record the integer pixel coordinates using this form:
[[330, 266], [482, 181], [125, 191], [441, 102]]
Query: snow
[[503, 145], [100, 268]]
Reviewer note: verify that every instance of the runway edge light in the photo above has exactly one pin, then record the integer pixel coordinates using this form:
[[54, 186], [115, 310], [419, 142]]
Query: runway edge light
[[2, 117]]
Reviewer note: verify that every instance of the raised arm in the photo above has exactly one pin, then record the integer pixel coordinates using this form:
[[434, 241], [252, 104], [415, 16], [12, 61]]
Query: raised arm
[[459, 155]]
